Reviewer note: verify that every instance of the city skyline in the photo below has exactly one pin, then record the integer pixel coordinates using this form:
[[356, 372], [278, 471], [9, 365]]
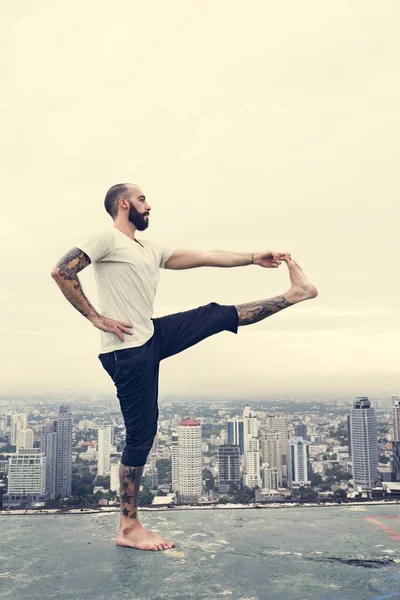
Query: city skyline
[[285, 141], [275, 457]]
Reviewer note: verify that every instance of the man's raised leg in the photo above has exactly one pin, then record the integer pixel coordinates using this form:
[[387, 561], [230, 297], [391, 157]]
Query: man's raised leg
[[131, 532], [301, 289]]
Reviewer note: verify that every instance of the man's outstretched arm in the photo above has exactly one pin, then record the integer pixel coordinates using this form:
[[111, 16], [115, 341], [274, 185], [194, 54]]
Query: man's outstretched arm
[[189, 259]]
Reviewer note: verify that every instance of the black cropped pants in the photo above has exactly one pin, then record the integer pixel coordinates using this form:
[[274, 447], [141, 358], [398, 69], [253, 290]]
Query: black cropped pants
[[135, 371]]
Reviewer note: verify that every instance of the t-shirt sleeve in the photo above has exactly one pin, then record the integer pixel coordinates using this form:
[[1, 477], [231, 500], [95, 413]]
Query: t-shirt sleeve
[[165, 255], [98, 245]]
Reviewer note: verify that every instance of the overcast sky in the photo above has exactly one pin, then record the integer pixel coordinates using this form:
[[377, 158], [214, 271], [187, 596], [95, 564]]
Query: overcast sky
[[249, 127]]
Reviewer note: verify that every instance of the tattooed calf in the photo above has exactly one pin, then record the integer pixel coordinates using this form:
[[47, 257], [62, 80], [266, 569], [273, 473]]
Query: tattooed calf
[[129, 478], [257, 311]]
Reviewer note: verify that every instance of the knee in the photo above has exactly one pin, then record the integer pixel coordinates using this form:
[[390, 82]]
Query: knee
[[138, 446], [135, 457]]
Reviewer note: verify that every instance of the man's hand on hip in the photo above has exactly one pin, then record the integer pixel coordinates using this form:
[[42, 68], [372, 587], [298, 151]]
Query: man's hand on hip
[[111, 326]]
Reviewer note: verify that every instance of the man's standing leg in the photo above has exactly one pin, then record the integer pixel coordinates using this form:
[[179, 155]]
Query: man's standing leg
[[138, 395], [135, 374]]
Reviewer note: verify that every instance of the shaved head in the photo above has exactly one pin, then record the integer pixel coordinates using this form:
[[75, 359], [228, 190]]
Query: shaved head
[[117, 191]]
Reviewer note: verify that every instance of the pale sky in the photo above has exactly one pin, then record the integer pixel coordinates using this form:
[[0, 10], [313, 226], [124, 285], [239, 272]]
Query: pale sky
[[249, 126]]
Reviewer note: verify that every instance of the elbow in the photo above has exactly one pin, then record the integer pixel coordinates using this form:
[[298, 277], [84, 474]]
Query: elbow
[[55, 272]]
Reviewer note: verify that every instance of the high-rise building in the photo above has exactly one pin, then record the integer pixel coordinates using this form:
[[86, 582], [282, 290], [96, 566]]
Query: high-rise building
[[150, 476], [18, 421], [298, 462], [190, 473], [251, 476], [228, 467], [280, 423], [349, 433], [271, 451], [24, 439], [364, 444], [48, 446], [174, 462], [235, 433], [26, 478], [114, 476], [103, 450], [252, 459], [270, 478], [250, 428], [63, 426], [396, 418], [396, 462], [300, 430]]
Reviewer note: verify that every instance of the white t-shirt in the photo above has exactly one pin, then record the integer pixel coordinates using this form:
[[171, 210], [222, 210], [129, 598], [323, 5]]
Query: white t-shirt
[[127, 274]]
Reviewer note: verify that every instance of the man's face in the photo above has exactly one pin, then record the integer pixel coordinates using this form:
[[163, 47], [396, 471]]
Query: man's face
[[139, 210]]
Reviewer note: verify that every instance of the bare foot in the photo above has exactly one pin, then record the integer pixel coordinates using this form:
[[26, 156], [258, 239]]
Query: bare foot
[[301, 289], [142, 539]]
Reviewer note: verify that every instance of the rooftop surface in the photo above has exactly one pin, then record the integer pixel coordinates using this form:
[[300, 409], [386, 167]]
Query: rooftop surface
[[335, 553]]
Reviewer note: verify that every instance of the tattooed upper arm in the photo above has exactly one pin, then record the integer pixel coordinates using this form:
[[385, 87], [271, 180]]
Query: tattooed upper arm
[[71, 264]]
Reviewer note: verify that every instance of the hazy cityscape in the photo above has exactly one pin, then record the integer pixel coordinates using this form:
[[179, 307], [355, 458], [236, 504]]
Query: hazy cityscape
[[61, 454]]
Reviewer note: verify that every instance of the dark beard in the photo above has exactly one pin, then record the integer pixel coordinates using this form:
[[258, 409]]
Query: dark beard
[[137, 219]]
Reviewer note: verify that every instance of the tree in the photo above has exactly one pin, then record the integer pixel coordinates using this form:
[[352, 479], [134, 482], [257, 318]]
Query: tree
[[244, 496], [315, 478], [384, 459], [8, 448], [339, 494], [145, 497], [98, 495], [208, 479], [305, 493], [325, 487], [164, 469], [103, 481]]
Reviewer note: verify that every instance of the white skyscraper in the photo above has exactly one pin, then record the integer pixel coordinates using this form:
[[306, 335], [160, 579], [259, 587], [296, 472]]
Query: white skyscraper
[[24, 439], [103, 450], [114, 476], [26, 478], [64, 453], [174, 461], [364, 444], [271, 451], [18, 421], [252, 457], [270, 478], [190, 475], [250, 427], [396, 418], [252, 477], [48, 446], [279, 423], [298, 462]]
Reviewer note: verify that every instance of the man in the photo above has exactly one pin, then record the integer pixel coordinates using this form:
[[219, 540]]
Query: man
[[133, 344]]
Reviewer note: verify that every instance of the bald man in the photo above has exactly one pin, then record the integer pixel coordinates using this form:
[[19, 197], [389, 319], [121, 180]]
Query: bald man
[[133, 343]]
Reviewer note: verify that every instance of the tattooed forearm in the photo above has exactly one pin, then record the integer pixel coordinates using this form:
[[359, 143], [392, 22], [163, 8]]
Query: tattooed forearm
[[257, 311], [129, 478], [66, 276]]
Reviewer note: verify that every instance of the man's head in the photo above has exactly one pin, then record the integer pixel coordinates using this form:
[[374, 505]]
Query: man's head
[[127, 201]]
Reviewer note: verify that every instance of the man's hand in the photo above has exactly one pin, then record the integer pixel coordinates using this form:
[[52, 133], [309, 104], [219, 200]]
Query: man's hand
[[111, 325], [270, 260]]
